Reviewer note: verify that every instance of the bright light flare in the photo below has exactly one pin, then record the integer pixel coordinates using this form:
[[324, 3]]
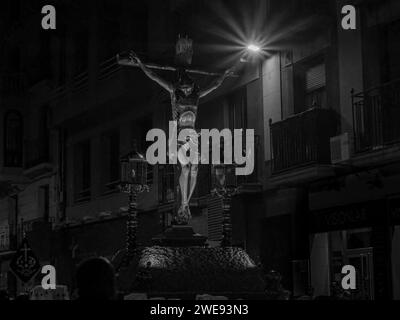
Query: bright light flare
[[253, 48]]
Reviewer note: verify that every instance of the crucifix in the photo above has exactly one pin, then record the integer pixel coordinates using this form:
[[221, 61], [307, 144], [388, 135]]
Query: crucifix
[[185, 96]]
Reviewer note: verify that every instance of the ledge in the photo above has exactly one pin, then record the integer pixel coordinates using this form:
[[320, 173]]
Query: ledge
[[381, 155], [38, 170], [303, 175]]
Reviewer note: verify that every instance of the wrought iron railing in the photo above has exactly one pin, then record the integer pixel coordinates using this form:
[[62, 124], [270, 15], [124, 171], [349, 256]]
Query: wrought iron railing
[[376, 114], [303, 139]]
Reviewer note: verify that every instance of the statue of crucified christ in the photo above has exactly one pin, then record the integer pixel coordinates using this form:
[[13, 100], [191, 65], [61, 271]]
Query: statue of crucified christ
[[185, 96]]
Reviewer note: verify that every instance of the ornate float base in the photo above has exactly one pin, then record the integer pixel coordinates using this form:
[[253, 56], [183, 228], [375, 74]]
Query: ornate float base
[[185, 272]]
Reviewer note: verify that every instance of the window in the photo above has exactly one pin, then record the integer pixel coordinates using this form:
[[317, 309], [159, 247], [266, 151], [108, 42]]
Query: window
[[111, 157], [37, 142], [309, 85], [238, 109], [237, 104], [82, 174], [13, 137], [381, 47], [315, 86]]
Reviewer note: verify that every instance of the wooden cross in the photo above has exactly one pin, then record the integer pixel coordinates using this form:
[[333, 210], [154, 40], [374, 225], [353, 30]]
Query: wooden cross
[[130, 63]]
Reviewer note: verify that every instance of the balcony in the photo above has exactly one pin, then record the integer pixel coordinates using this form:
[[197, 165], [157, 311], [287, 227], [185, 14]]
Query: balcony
[[302, 142], [376, 114]]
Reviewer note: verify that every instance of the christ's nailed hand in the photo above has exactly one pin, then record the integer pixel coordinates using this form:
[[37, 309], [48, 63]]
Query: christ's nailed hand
[[133, 56], [230, 72]]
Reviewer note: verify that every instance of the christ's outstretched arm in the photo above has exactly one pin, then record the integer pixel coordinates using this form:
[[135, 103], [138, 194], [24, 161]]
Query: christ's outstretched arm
[[217, 83], [152, 75]]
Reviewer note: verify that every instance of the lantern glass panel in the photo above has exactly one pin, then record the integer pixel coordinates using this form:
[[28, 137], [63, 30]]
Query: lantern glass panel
[[124, 172], [138, 171], [133, 170]]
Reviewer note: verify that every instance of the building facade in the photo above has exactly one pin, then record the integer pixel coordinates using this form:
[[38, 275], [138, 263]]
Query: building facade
[[79, 112], [323, 103], [333, 152]]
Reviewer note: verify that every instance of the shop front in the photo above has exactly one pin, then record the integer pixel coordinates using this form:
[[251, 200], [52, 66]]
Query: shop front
[[362, 235]]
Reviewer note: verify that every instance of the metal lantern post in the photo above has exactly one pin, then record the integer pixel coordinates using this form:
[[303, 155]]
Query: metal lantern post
[[225, 186], [133, 182]]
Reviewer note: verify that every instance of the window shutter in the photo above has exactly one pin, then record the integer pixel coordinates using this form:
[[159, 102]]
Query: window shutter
[[315, 77], [215, 218]]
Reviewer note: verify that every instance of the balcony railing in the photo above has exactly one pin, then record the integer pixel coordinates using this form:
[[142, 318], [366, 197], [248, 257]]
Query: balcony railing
[[376, 114], [302, 140]]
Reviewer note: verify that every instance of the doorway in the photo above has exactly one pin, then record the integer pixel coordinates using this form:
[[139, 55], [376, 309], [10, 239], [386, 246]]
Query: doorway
[[353, 247], [362, 260]]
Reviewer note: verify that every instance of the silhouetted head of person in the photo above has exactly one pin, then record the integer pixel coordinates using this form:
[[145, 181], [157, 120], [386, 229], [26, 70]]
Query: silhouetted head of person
[[22, 297], [95, 279], [4, 295]]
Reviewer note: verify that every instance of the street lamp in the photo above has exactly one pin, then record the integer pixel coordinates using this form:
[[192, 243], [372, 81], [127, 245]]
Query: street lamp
[[225, 185], [133, 182], [251, 50]]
